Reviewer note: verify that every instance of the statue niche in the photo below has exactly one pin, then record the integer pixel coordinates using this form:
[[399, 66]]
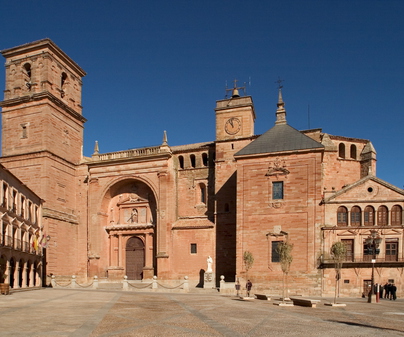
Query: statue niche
[[133, 210]]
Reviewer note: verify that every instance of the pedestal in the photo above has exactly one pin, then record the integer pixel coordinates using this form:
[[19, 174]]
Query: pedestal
[[209, 281], [116, 273]]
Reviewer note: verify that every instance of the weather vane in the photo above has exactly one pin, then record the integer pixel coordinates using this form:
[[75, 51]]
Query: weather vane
[[279, 81]]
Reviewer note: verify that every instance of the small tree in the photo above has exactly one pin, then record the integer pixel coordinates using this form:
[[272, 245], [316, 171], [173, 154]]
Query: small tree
[[248, 259], [284, 249], [338, 253]]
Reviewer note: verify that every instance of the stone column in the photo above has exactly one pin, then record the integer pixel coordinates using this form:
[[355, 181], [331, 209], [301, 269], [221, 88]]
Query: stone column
[[120, 258], [161, 227], [17, 275], [24, 274], [31, 276], [148, 270]]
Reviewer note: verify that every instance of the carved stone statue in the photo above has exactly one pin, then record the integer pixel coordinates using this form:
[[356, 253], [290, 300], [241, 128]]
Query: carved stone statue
[[209, 261], [133, 216]]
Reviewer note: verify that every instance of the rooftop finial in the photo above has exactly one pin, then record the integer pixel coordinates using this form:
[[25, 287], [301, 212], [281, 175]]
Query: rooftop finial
[[280, 112], [96, 148], [165, 138]]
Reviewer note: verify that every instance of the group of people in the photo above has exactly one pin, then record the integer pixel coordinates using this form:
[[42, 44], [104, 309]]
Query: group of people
[[387, 291]]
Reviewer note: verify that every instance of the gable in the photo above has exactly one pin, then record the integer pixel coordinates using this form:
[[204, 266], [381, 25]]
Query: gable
[[368, 189]]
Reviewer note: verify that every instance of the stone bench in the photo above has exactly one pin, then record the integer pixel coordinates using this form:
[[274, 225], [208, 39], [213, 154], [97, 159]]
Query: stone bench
[[304, 302], [263, 297]]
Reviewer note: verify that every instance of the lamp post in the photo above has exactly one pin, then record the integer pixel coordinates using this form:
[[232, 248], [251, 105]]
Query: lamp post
[[372, 242]]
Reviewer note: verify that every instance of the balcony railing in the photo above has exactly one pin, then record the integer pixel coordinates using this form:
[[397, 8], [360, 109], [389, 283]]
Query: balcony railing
[[365, 262], [147, 151]]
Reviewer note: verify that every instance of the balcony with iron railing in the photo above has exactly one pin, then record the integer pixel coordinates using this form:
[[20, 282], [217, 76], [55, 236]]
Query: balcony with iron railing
[[364, 261]]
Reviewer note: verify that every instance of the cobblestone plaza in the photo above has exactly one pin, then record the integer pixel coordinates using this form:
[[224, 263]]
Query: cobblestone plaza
[[70, 312]]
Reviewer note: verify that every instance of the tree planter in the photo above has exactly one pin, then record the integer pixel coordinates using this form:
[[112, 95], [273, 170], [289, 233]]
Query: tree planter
[[4, 288]]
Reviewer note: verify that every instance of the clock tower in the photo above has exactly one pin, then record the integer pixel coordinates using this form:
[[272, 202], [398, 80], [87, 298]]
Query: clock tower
[[234, 130], [234, 117]]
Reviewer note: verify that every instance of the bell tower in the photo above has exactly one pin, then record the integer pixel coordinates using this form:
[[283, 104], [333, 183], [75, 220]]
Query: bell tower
[[42, 139], [235, 116], [42, 108]]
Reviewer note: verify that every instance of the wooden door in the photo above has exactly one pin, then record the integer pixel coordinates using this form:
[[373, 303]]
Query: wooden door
[[367, 287], [134, 258]]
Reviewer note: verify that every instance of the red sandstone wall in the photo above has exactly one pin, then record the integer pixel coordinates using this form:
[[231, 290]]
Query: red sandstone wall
[[298, 214]]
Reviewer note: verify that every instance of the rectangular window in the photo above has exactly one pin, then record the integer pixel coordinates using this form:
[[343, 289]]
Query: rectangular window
[[277, 190], [274, 254], [193, 248], [392, 251]]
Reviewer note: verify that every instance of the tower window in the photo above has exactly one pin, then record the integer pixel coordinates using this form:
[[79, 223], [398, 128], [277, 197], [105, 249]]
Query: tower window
[[24, 133], [181, 161], [62, 84], [353, 151], [193, 160], [193, 248], [27, 73], [205, 159], [341, 150]]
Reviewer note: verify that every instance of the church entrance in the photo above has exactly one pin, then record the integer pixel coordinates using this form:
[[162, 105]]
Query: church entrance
[[135, 258]]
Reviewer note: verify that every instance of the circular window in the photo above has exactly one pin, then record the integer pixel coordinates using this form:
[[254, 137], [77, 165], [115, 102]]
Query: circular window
[[370, 189]]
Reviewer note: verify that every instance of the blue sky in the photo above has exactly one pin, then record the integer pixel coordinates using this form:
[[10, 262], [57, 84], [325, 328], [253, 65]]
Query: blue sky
[[161, 65]]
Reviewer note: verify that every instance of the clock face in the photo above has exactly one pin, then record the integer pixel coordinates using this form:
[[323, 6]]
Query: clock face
[[233, 126]]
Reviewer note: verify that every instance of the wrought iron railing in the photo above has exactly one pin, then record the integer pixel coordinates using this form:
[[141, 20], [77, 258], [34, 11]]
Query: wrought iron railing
[[366, 259]]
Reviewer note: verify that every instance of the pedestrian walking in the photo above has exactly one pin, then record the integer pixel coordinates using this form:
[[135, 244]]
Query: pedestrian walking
[[248, 286], [387, 290], [393, 290]]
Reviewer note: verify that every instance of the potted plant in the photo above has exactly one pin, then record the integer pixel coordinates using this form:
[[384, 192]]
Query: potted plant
[[4, 287]]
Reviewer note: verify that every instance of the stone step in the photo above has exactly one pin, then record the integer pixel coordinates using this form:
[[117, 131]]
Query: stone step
[[109, 285]]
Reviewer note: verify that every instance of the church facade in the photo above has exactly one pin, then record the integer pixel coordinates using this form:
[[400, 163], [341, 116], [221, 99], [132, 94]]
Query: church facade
[[164, 210]]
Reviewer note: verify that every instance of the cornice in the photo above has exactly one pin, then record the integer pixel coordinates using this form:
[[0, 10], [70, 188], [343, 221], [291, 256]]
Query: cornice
[[39, 46], [41, 96]]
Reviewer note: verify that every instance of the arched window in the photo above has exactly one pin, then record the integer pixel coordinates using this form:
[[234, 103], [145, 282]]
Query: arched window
[[356, 216], [396, 215], [341, 150], [369, 216], [205, 159], [353, 151], [382, 216], [342, 216], [181, 161], [63, 79], [27, 68], [193, 160], [27, 75]]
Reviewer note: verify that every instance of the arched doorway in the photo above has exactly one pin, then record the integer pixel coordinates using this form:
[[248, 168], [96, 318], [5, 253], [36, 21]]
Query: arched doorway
[[134, 258]]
